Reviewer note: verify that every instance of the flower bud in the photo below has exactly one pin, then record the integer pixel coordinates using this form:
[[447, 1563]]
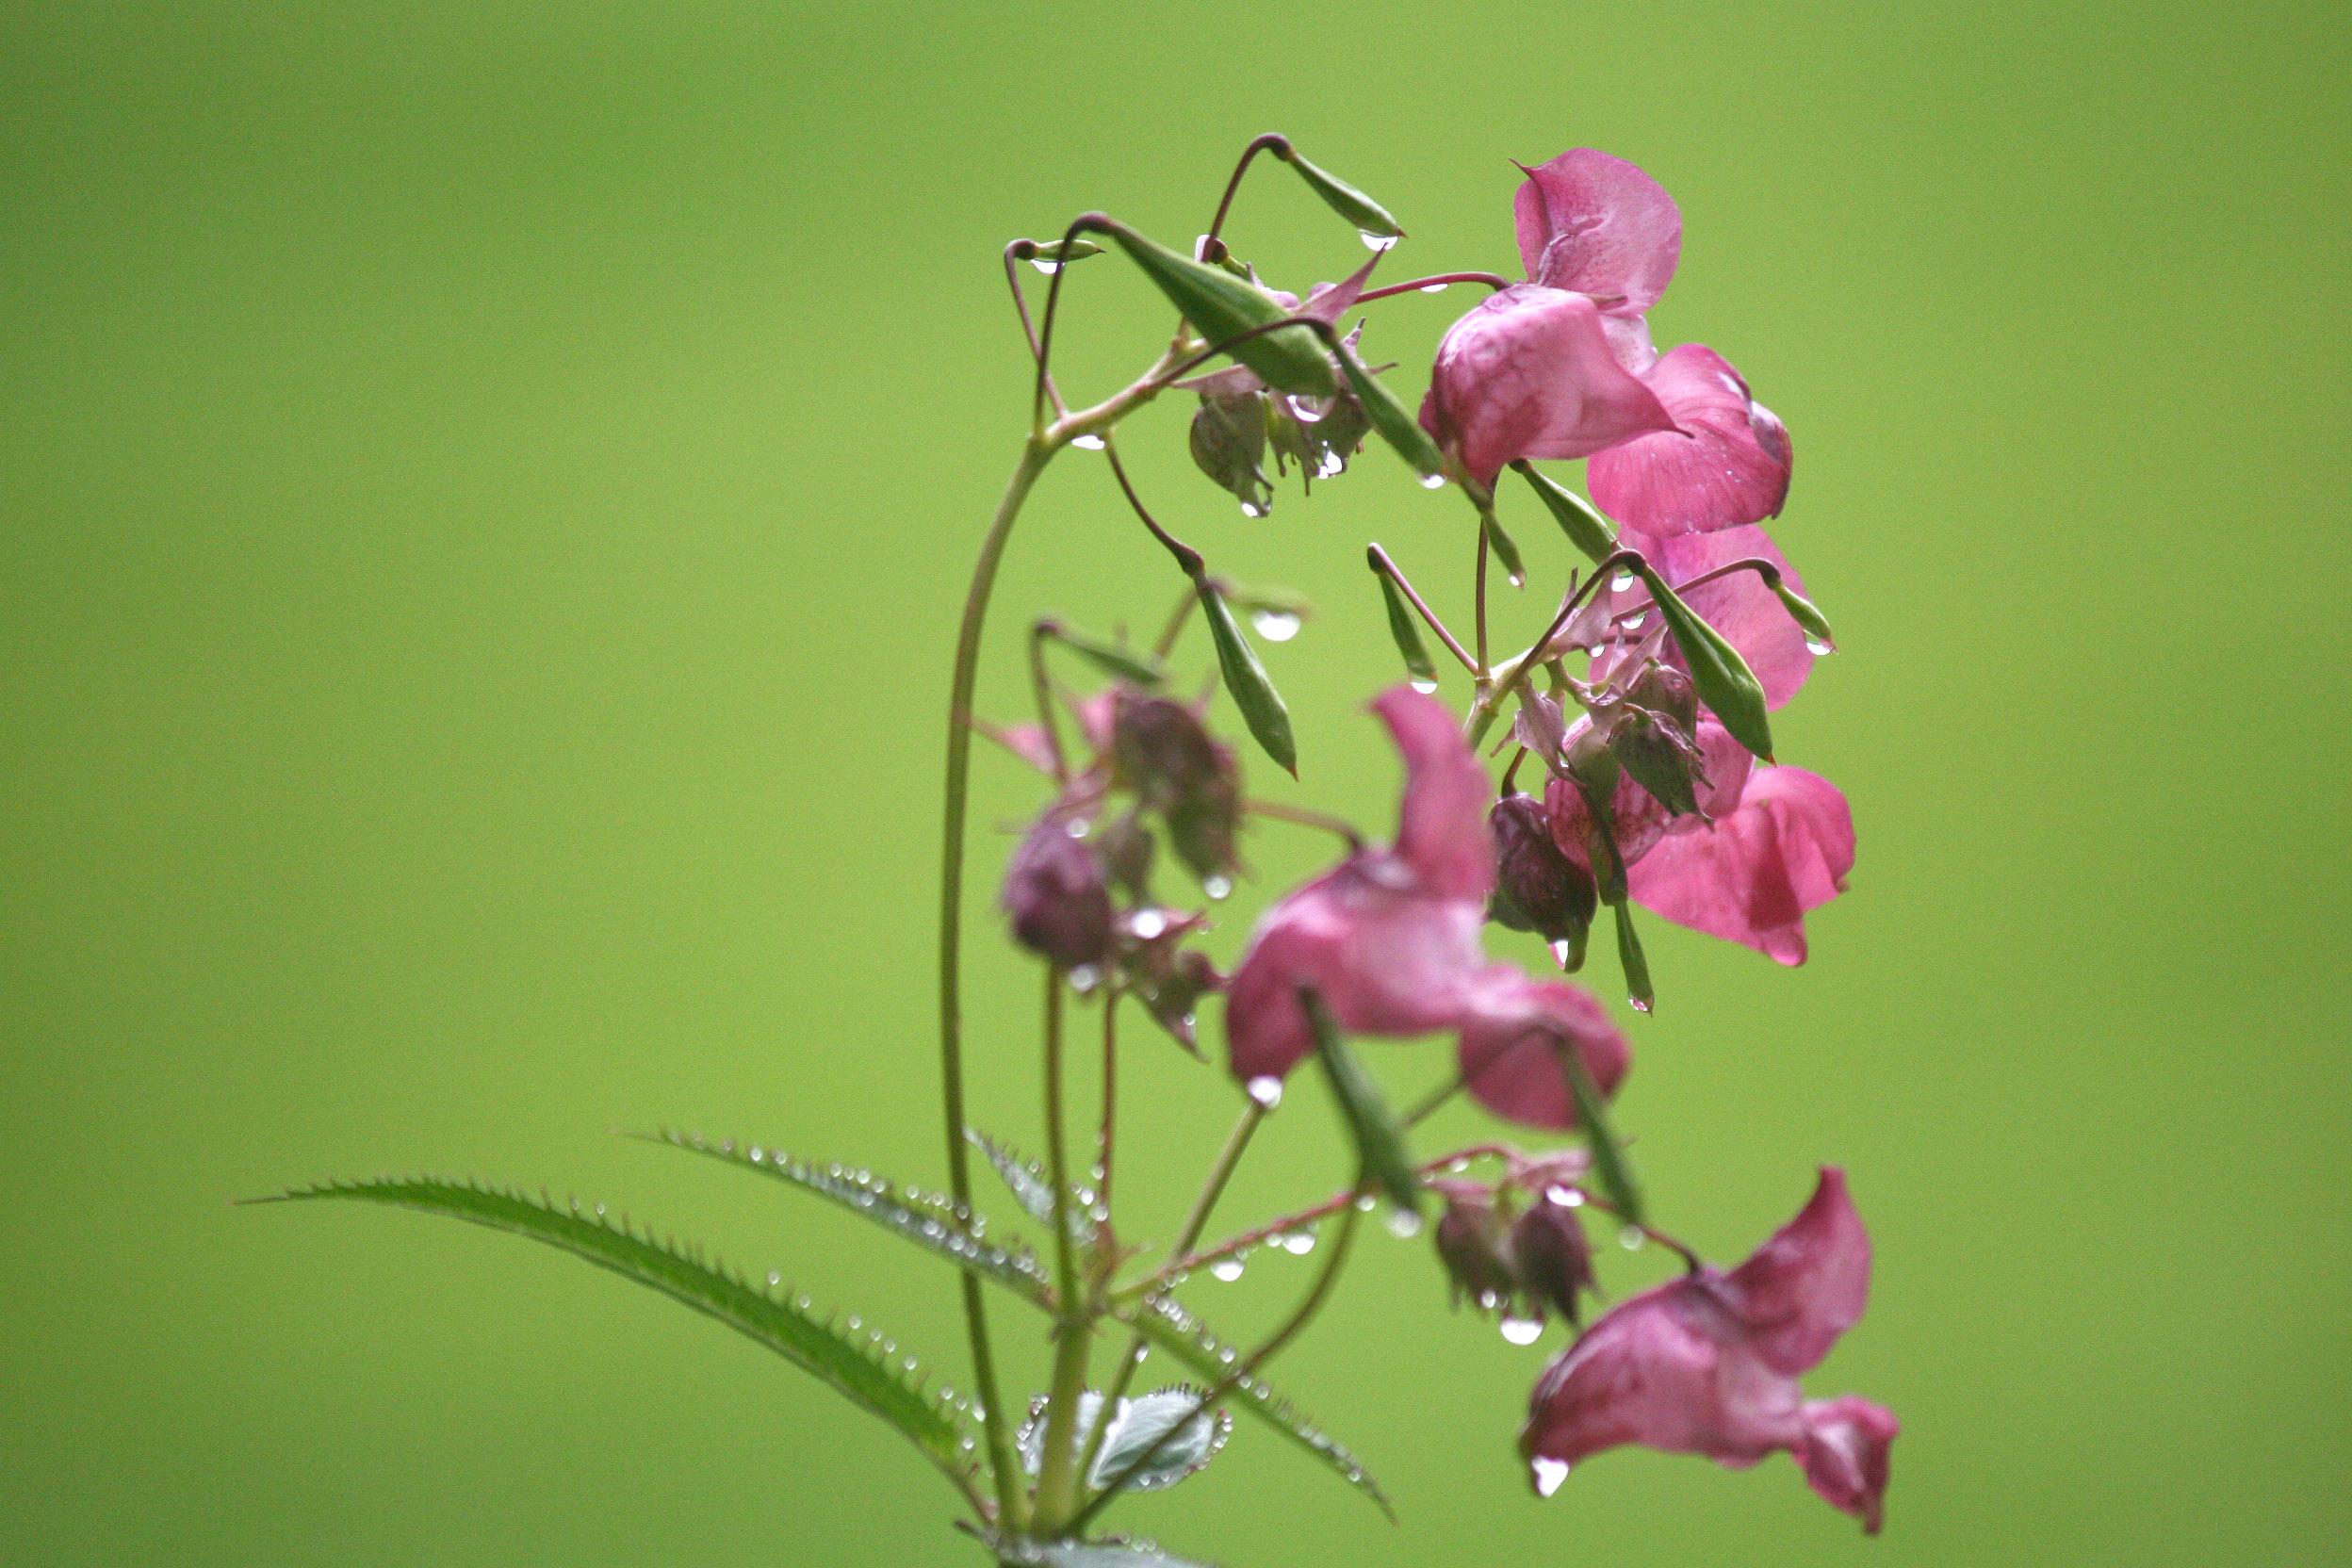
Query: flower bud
[[1167, 977], [1658, 754], [1667, 692], [1125, 848], [1471, 1243], [1053, 889], [1228, 445], [1162, 752], [1536, 887], [1551, 1257]]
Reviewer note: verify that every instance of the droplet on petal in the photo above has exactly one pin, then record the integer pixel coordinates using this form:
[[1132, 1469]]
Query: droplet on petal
[[1621, 582], [1548, 1473]]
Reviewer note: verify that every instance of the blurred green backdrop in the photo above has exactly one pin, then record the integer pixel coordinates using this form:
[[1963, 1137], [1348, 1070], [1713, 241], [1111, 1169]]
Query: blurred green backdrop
[[486, 490]]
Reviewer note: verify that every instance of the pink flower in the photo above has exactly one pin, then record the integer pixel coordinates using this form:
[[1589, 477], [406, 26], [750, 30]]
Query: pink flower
[[1708, 1364], [1752, 876], [1508, 1052], [1562, 365], [1617, 624], [1390, 936]]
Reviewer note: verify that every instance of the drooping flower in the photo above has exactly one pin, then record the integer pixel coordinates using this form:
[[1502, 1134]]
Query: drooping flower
[[1509, 1053], [1563, 366], [1389, 939], [1708, 1364], [1750, 877]]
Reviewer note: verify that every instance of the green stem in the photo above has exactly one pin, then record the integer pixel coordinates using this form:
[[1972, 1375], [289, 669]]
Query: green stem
[[1073, 1330], [1236, 1143]]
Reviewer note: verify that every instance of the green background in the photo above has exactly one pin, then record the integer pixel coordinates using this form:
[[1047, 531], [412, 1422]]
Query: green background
[[486, 492]]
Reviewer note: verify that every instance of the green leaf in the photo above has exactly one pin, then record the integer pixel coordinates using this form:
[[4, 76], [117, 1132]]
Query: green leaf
[[1254, 691], [1724, 680], [1609, 1154], [855, 1362], [1584, 526], [927, 1220], [1112, 660], [1370, 218], [1140, 1424], [1032, 1189], [1378, 1138], [1401, 626], [1168, 1325], [1636, 963], [1397, 426], [1222, 307]]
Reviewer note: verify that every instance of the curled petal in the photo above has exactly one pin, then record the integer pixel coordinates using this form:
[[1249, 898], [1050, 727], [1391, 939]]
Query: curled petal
[[1728, 466], [1510, 1052], [1845, 1453], [1809, 1283], [1600, 226], [1751, 878], [1327, 302], [1529, 373], [1664, 1370], [1440, 827]]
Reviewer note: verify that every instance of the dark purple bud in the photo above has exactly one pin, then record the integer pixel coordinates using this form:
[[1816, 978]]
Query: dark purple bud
[[1125, 847], [1551, 1256], [1053, 889], [1536, 887], [1472, 1243], [1176, 768]]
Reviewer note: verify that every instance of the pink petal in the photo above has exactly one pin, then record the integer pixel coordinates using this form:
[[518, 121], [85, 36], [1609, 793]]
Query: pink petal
[[1026, 741], [1809, 1283], [1386, 959], [1752, 876], [1845, 1453], [1327, 302], [1749, 615], [1440, 828], [1598, 225], [1640, 820], [1730, 467], [1665, 1370], [1509, 1053], [1529, 373]]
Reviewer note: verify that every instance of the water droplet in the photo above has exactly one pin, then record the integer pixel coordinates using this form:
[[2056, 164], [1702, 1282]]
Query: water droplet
[[1299, 1246], [1621, 580], [1638, 1004], [1267, 1091], [1376, 241], [1085, 977], [1432, 482], [1633, 623], [1227, 1270], [1077, 827], [775, 1279], [855, 1324], [1276, 1241], [1566, 1197], [1088, 443], [1275, 626], [1047, 267], [1331, 466], [1404, 1224], [1559, 953], [1251, 509], [1815, 645], [1423, 687], [1217, 885], [1488, 1300], [1434, 288], [1522, 1330], [1148, 924], [1550, 1473], [1631, 1238], [1367, 1203], [1518, 580]]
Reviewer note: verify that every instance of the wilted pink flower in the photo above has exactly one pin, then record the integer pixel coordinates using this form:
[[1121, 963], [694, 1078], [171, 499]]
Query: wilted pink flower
[[1562, 365], [1708, 1364], [1390, 936]]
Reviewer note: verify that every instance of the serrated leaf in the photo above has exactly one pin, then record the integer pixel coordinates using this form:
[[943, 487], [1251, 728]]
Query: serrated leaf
[[927, 1220], [1031, 1188], [1200, 1435], [863, 1366], [1261, 705], [1171, 1326]]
